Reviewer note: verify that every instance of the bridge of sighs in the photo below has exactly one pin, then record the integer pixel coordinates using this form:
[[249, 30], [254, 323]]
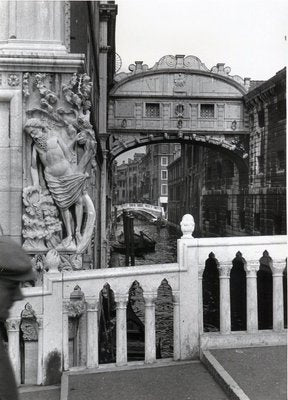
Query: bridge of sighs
[[178, 100]]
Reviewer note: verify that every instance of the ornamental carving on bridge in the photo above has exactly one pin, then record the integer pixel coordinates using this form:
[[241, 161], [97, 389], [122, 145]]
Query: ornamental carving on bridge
[[180, 61], [62, 160]]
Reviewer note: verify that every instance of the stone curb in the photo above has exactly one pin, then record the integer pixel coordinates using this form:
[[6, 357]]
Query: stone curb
[[32, 389], [231, 388], [36, 392]]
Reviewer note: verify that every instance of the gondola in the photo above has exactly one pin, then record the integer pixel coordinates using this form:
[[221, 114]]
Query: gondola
[[142, 244]]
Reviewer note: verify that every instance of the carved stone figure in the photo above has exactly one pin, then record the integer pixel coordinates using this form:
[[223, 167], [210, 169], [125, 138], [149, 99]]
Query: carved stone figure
[[65, 180], [63, 151]]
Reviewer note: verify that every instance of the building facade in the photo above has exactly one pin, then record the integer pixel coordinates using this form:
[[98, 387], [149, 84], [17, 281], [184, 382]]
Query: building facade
[[154, 167], [127, 180], [224, 199]]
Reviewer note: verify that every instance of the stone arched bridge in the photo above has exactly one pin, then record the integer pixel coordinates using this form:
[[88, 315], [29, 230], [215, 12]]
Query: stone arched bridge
[[142, 208]]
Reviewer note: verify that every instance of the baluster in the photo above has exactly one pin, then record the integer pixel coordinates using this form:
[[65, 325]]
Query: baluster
[[176, 324], [121, 329], [150, 330], [225, 306], [40, 351], [251, 269], [278, 303], [14, 346], [92, 334], [65, 334], [200, 290]]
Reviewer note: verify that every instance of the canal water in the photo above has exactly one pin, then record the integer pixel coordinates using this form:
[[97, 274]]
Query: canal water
[[165, 249]]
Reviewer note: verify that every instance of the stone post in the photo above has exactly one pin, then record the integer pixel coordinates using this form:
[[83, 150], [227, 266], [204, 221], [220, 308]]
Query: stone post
[[40, 352], [92, 334], [176, 324], [251, 295], [225, 306], [150, 330], [121, 329], [14, 346], [65, 333], [187, 254], [278, 301], [200, 289]]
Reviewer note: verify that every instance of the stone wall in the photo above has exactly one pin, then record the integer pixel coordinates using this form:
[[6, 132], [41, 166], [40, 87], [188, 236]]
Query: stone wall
[[267, 167]]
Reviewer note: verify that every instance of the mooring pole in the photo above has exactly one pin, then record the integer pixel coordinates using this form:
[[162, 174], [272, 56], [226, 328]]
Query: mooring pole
[[126, 236], [131, 239]]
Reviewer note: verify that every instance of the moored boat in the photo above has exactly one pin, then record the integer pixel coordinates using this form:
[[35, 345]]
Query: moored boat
[[142, 243]]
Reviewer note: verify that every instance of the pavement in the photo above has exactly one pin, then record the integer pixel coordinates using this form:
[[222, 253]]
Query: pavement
[[258, 373], [182, 380], [261, 372]]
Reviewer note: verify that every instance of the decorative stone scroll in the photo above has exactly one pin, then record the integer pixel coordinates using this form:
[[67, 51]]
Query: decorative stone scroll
[[181, 61], [63, 156]]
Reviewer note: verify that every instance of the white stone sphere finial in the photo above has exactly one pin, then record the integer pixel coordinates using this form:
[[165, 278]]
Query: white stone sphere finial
[[187, 226]]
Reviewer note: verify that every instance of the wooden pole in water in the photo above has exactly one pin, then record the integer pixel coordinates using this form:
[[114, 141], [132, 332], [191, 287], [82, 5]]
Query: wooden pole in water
[[131, 239], [126, 236]]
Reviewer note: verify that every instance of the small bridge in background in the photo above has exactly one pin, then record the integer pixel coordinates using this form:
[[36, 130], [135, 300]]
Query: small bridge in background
[[147, 210]]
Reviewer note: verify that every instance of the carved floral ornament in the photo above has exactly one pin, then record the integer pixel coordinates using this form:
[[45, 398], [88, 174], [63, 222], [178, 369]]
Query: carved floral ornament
[[278, 267], [13, 80], [224, 270], [182, 62], [12, 324], [74, 309], [251, 268], [60, 129]]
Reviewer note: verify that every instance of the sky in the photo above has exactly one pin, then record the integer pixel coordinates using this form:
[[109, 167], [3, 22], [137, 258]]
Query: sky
[[247, 35], [250, 36]]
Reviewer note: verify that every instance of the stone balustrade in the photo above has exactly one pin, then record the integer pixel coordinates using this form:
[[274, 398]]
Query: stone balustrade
[[54, 306]]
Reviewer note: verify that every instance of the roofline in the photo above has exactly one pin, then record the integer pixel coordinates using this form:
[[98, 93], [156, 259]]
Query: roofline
[[226, 79], [266, 85]]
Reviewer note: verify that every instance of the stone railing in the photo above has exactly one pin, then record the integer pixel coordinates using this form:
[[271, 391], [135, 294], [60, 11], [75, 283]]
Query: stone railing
[[51, 308], [252, 252]]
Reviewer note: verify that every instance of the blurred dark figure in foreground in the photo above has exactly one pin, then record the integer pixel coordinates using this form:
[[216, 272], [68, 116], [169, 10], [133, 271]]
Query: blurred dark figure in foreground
[[15, 267]]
